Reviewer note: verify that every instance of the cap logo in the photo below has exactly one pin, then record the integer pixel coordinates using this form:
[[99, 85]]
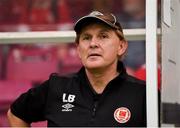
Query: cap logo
[[122, 115], [96, 13]]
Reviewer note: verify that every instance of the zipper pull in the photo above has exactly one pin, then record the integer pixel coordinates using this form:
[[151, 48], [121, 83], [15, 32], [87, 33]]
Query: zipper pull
[[94, 108]]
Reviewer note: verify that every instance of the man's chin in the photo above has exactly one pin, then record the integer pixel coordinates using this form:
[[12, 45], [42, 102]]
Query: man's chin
[[94, 65]]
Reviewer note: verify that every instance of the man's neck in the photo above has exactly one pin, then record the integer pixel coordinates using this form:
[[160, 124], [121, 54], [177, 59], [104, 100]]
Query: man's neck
[[100, 79]]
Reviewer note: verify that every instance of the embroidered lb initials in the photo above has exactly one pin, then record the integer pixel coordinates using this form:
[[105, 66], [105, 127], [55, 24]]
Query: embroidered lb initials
[[68, 98]]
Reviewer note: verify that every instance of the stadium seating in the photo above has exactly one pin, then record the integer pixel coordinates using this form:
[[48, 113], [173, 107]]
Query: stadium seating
[[31, 64], [10, 90], [70, 62], [0, 62]]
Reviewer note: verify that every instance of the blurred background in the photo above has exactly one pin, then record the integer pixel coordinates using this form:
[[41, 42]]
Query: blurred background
[[26, 65]]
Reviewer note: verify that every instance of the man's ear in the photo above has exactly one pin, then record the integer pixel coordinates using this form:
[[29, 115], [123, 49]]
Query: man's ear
[[123, 45]]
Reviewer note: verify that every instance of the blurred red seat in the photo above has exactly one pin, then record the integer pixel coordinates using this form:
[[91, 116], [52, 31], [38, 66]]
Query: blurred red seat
[[1, 59], [10, 90], [70, 63], [32, 64], [39, 124]]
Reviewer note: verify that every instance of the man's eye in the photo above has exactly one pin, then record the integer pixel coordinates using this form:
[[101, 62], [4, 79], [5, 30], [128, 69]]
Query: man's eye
[[86, 38], [103, 36]]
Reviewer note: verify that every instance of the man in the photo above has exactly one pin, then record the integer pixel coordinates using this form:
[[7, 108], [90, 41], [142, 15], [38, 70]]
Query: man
[[100, 94]]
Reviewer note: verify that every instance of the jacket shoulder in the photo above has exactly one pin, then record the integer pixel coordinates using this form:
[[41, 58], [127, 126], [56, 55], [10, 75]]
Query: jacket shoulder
[[135, 80], [56, 76]]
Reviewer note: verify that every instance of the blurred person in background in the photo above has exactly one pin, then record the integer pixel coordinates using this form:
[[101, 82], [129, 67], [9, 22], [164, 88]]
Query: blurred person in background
[[100, 94], [79, 8], [133, 16], [140, 73], [40, 12], [103, 5], [40, 15], [12, 14], [62, 13], [133, 13], [7, 16]]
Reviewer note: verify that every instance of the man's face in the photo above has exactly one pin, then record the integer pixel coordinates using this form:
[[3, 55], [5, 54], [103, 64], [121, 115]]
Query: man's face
[[99, 46]]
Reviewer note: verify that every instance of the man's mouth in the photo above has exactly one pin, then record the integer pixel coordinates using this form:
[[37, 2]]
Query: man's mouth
[[93, 55]]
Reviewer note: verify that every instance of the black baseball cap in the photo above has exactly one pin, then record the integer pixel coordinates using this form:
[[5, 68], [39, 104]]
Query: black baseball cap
[[107, 18]]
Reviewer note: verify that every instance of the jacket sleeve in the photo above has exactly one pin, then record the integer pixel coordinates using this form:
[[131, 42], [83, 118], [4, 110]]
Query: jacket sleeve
[[30, 106]]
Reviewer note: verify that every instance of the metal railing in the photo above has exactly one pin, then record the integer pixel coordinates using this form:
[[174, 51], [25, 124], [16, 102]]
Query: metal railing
[[58, 36]]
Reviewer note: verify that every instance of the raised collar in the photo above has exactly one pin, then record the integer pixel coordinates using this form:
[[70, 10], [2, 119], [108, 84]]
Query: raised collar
[[120, 67]]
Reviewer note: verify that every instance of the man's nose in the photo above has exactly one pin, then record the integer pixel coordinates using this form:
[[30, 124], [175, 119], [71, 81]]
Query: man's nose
[[94, 42]]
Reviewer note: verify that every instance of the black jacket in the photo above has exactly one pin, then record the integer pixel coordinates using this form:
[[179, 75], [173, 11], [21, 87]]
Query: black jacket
[[71, 101]]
